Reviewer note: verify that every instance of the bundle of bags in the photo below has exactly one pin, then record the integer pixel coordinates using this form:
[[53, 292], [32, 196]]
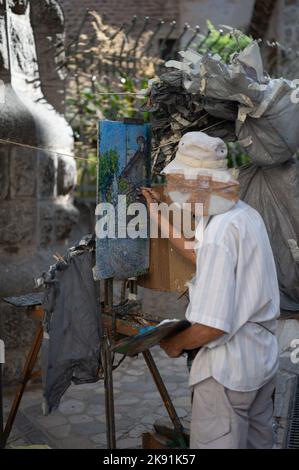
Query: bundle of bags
[[267, 128]]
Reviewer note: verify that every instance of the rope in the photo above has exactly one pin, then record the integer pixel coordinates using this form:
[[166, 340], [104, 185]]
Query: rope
[[33, 147]]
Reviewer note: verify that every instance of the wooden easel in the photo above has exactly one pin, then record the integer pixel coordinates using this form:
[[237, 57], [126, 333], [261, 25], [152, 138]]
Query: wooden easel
[[108, 374], [111, 325]]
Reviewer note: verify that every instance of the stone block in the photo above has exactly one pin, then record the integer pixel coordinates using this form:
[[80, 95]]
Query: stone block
[[14, 363], [288, 34], [17, 328], [60, 431], [66, 216], [52, 420], [18, 222], [290, 15], [80, 419], [66, 175], [13, 366], [75, 442], [129, 443], [4, 173], [46, 222], [23, 172], [46, 175], [88, 429], [71, 407]]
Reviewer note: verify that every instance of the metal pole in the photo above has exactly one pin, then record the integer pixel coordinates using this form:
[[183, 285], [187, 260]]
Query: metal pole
[[2, 360], [109, 396], [107, 365], [165, 396]]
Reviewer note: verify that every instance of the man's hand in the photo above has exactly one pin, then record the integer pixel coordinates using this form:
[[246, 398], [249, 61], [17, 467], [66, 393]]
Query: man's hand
[[150, 196], [176, 238], [171, 347], [193, 337]]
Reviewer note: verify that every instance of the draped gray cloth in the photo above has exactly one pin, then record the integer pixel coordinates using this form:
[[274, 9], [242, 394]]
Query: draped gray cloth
[[71, 345]]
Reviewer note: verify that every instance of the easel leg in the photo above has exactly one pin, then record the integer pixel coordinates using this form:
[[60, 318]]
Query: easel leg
[[109, 396], [26, 376], [164, 395], [107, 364], [1, 411]]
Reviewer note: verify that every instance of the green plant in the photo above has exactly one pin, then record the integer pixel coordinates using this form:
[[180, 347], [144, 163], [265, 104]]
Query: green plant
[[236, 156], [223, 43]]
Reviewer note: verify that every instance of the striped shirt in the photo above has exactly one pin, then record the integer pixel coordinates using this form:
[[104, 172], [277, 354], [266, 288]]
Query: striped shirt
[[235, 289]]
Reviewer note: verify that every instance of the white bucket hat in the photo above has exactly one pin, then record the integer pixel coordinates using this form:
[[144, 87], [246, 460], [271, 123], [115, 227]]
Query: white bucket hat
[[202, 158], [197, 150]]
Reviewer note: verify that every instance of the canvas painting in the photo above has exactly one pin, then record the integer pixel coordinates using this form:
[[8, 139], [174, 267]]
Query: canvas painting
[[123, 167]]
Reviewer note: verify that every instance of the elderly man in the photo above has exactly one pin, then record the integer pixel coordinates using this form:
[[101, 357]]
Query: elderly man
[[234, 303]]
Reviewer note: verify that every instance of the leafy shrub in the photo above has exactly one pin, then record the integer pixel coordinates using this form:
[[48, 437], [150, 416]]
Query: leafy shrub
[[223, 43]]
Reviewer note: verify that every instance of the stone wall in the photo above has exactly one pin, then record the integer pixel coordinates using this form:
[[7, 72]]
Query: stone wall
[[36, 204], [290, 23], [116, 12], [284, 27], [234, 13]]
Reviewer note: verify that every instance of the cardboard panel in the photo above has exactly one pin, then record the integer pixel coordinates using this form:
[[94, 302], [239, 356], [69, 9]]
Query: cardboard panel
[[168, 270]]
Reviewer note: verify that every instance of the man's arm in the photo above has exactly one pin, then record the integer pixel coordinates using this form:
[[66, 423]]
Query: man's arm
[[176, 238], [221, 290], [194, 337], [212, 301]]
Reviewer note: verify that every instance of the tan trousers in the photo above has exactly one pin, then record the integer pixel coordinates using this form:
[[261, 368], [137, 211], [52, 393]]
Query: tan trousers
[[225, 419]]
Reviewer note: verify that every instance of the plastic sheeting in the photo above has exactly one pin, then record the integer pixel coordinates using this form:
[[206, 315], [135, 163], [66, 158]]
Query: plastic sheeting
[[71, 345], [265, 106], [274, 193], [267, 127]]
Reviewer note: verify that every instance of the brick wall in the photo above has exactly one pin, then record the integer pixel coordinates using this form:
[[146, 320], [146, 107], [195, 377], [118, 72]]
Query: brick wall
[[117, 12]]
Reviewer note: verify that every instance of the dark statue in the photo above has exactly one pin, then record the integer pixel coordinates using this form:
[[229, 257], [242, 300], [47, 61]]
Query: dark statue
[[36, 205]]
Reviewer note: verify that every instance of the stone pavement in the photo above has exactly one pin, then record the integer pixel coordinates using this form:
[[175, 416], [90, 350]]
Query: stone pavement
[[80, 420]]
